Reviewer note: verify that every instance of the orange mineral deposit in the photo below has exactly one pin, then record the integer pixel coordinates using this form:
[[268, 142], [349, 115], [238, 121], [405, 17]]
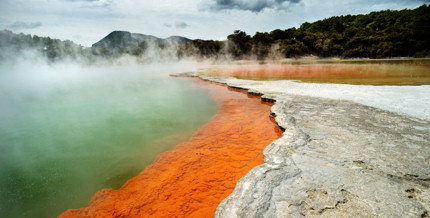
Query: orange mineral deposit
[[192, 179], [384, 73]]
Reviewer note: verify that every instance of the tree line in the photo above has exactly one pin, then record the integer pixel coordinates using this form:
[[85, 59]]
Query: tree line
[[12, 44], [389, 33]]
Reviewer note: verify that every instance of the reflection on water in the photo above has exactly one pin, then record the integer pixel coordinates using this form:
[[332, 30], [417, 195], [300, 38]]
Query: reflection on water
[[382, 72], [68, 132]]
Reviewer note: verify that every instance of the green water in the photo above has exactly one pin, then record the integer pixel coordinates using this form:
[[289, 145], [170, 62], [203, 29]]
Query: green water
[[67, 132]]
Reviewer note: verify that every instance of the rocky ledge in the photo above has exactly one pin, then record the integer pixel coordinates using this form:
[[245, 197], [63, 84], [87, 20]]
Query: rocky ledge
[[336, 158]]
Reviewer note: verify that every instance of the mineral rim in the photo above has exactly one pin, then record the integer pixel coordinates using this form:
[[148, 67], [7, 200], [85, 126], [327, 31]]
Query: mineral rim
[[192, 179]]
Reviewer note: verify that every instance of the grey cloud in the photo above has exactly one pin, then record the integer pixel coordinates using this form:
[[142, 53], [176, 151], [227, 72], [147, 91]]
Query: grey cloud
[[82, 0], [22, 25], [178, 25], [248, 5], [181, 25], [93, 3]]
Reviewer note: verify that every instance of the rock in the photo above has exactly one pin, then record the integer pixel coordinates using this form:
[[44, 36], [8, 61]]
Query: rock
[[336, 158]]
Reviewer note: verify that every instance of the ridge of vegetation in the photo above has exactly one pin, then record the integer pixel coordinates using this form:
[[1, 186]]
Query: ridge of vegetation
[[389, 33], [383, 34]]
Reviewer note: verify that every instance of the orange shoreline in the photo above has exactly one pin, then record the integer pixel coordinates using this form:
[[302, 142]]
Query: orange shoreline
[[193, 178]]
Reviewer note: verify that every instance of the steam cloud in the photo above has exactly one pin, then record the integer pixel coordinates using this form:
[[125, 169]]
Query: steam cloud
[[248, 5]]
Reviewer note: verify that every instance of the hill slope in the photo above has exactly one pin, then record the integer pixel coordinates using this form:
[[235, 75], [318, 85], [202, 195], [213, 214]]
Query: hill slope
[[404, 33], [134, 43]]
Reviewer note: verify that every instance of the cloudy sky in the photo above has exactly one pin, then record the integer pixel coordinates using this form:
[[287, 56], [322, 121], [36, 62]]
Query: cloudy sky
[[87, 21]]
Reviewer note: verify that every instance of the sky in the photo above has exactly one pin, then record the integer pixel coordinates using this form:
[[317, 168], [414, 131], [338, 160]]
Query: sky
[[87, 21]]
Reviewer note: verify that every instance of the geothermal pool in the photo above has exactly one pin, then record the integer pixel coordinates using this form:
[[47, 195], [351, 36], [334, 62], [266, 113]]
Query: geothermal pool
[[193, 178], [357, 72], [399, 85], [67, 132]]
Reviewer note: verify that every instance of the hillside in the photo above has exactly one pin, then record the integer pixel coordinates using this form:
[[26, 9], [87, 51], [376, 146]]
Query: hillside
[[133, 43], [404, 33], [14, 45]]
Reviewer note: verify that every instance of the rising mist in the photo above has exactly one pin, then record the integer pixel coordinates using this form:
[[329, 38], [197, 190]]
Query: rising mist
[[74, 125]]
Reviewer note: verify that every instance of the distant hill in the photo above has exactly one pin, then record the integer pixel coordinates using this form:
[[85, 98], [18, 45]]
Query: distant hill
[[123, 40], [114, 45]]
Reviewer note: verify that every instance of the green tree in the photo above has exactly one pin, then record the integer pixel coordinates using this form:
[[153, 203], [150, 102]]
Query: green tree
[[239, 43]]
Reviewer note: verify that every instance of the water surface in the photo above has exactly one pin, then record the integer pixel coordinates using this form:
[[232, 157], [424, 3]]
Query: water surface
[[66, 132], [193, 179], [358, 72]]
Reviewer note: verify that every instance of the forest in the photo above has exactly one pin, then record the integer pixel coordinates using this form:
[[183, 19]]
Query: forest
[[12, 44], [383, 34], [404, 33]]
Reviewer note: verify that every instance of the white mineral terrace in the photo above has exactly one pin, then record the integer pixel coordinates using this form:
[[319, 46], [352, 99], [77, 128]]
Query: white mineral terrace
[[407, 100]]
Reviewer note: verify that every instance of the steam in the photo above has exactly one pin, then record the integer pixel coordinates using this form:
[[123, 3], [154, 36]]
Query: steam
[[55, 115], [17, 49], [58, 98], [32, 77], [27, 49]]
